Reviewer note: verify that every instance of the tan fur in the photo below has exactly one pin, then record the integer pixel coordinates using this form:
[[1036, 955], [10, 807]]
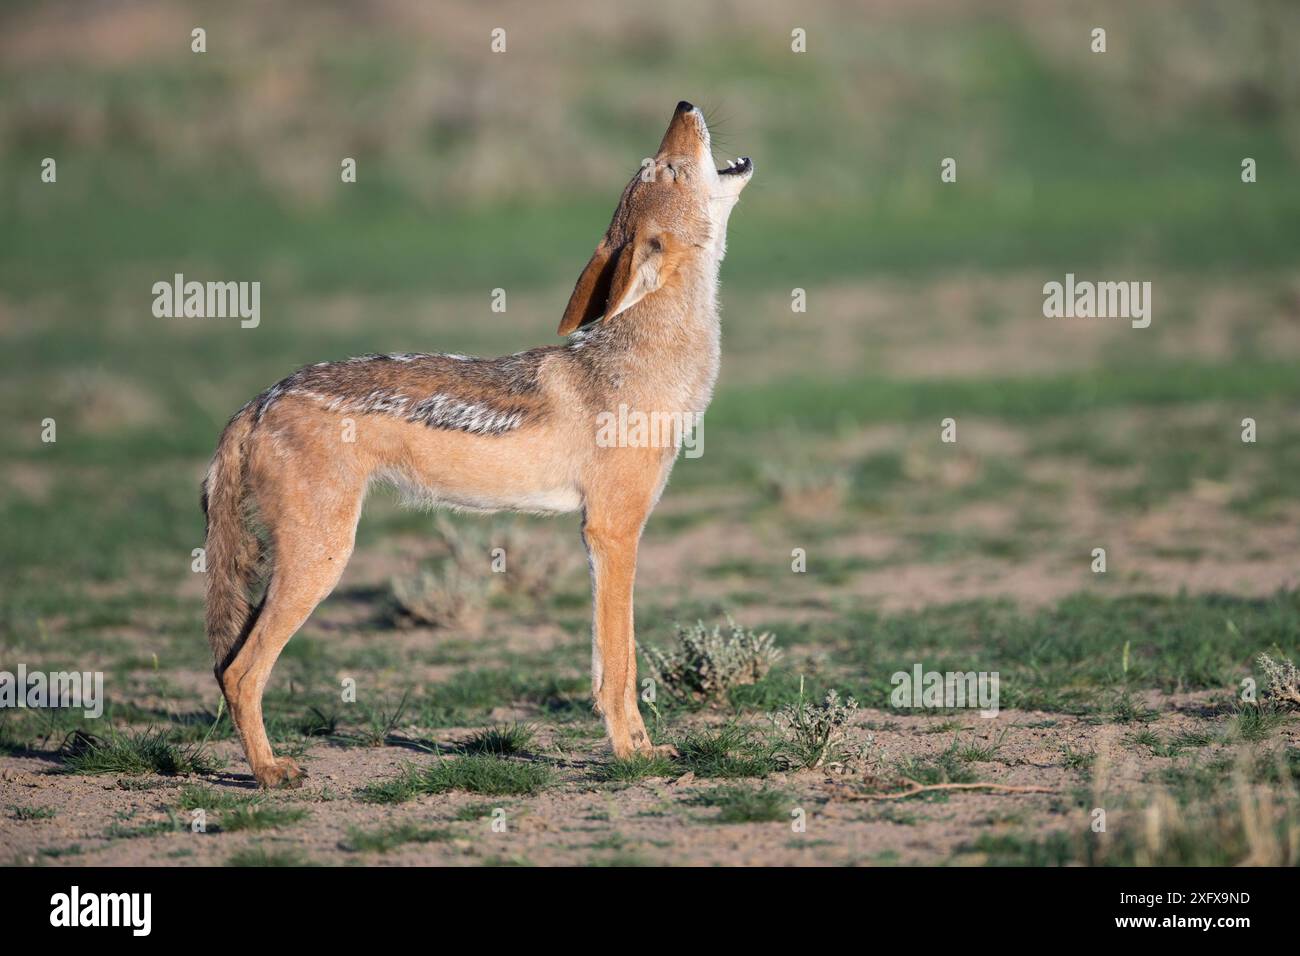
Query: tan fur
[[517, 433]]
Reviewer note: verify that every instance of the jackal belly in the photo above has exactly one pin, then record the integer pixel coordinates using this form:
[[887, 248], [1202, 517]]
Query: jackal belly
[[520, 471], [428, 494]]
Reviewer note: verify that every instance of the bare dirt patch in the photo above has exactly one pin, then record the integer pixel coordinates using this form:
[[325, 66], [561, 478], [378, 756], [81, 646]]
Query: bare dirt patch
[[582, 820]]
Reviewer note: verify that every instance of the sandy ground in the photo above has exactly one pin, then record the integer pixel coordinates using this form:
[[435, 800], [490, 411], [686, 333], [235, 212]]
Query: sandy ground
[[582, 820]]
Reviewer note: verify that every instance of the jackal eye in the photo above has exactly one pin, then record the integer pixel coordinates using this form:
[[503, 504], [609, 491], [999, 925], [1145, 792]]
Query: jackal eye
[[671, 170]]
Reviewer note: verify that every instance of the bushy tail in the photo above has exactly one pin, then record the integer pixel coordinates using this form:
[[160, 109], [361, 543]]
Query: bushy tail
[[232, 549]]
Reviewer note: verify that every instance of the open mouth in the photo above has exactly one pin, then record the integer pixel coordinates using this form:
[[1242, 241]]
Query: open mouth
[[737, 167]]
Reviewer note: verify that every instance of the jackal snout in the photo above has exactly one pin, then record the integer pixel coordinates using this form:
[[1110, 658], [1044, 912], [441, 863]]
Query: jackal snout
[[687, 134], [685, 158]]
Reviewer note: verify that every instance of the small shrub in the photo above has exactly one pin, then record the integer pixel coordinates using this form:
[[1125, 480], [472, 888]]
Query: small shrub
[[707, 663], [806, 490], [443, 597], [534, 560], [455, 591], [1282, 681], [815, 735]]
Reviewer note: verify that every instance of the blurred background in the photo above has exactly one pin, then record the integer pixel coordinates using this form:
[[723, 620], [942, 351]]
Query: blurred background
[[479, 170]]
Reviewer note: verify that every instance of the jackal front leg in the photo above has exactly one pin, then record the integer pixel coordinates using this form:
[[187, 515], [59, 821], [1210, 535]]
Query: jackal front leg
[[613, 653]]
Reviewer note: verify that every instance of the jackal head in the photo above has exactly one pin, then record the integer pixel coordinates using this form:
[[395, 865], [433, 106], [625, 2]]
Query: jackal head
[[673, 214]]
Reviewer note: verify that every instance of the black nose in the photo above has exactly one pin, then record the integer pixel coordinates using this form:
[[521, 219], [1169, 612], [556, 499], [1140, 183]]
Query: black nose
[[684, 107]]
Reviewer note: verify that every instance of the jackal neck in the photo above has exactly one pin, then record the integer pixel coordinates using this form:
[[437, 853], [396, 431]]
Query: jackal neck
[[663, 352]]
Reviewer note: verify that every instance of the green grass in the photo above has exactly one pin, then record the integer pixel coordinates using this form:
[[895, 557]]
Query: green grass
[[1207, 832], [731, 751], [1016, 849], [1199, 813], [474, 693], [973, 752], [379, 722], [121, 830], [827, 403], [386, 839], [261, 817], [1255, 724], [638, 767], [1192, 739], [261, 856], [235, 811], [20, 812], [57, 852], [747, 805], [212, 800], [1127, 710], [473, 812], [483, 774], [1067, 657], [946, 767], [503, 741], [141, 752]]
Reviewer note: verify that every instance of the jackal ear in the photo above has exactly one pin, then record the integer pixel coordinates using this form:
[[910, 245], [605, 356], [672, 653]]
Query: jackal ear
[[614, 283], [591, 291], [643, 266]]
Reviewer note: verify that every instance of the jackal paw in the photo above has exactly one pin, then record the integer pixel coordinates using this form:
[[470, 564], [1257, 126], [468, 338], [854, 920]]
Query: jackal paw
[[641, 744], [281, 774]]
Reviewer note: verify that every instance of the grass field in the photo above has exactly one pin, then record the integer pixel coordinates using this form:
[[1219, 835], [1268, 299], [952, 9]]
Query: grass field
[[473, 742]]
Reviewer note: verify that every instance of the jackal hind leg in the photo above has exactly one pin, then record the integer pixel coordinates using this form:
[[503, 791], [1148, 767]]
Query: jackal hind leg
[[309, 559]]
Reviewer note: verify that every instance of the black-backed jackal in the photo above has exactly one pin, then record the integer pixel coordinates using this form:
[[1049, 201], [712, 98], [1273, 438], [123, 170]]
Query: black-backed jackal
[[516, 433]]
